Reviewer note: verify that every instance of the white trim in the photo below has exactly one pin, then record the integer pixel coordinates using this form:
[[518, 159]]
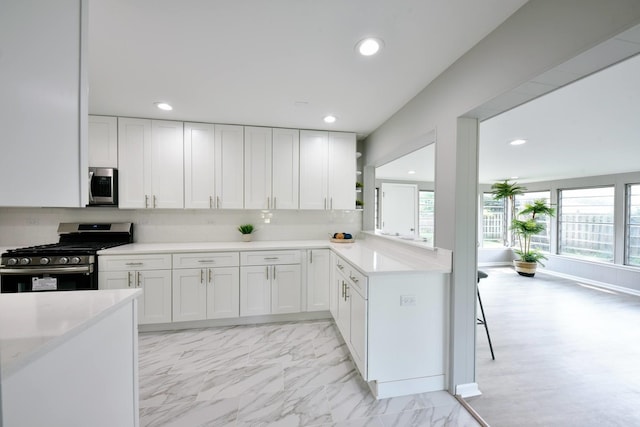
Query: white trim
[[621, 289], [383, 390], [468, 390], [496, 264]]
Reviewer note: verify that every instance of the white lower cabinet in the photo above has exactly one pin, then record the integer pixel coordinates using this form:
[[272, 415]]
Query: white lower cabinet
[[205, 286], [318, 279], [151, 273], [270, 283]]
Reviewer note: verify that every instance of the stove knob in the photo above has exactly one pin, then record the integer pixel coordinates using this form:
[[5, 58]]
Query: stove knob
[[45, 261], [25, 261], [12, 261], [64, 260], [75, 260]]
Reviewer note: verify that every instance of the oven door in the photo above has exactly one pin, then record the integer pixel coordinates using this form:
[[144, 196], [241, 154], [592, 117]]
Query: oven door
[[72, 278]]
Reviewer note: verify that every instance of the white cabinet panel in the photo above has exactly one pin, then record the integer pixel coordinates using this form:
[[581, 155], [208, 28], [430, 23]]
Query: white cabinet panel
[[199, 166], [342, 170], [358, 329], [103, 141], [257, 168], [134, 138], [154, 305], [334, 286], [255, 290], [223, 292], [229, 166], [167, 182], [285, 168], [134, 262], [270, 257], [318, 279], [206, 259], [285, 289], [189, 294]]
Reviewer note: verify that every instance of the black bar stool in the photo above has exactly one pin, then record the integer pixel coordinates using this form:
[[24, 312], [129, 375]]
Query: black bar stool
[[483, 321]]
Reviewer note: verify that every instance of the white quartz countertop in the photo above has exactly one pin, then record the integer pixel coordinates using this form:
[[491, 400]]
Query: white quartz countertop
[[33, 323], [368, 256]]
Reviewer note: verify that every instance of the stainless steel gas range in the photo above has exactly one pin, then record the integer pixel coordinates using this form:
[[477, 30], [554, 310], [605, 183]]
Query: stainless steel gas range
[[70, 264]]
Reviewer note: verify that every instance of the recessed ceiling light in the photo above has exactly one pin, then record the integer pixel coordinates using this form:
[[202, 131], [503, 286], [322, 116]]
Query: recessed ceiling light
[[369, 46], [518, 142], [164, 106], [411, 172], [514, 177], [330, 118]]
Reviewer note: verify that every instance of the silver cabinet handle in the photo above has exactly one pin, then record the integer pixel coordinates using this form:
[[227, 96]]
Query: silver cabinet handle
[[209, 275], [342, 289], [146, 201], [90, 192], [139, 279], [129, 279], [201, 275], [217, 202], [210, 202], [310, 257], [274, 272], [341, 267], [270, 258], [134, 263], [346, 291], [207, 261], [154, 202], [353, 279], [325, 203]]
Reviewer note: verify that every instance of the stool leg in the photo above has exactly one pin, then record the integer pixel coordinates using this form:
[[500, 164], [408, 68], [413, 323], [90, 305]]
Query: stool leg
[[486, 327]]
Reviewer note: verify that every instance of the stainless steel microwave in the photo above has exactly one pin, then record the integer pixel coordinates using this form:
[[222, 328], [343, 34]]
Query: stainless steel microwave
[[103, 187]]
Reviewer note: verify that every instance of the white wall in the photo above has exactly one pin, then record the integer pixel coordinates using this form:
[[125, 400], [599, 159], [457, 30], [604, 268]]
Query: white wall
[[538, 37], [29, 226]]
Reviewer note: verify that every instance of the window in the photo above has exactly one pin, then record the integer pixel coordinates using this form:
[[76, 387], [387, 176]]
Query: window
[[586, 228], [633, 225], [540, 241], [426, 216], [493, 226], [376, 207]]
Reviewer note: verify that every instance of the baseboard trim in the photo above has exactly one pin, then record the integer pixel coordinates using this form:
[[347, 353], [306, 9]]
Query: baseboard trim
[[383, 390], [604, 285], [468, 390]]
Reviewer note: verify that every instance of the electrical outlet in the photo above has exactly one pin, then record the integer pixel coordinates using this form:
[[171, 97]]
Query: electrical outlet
[[407, 300]]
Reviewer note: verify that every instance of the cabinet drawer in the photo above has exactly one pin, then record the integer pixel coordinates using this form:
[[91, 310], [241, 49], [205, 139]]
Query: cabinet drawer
[[134, 262], [353, 277], [270, 257], [206, 259]]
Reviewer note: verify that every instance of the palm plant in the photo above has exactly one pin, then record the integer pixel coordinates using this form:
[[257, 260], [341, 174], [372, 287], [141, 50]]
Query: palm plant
[[528, 227], [507, 191]]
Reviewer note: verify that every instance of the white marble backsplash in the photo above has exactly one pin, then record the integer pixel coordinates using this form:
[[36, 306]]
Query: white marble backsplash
[[31, 226]]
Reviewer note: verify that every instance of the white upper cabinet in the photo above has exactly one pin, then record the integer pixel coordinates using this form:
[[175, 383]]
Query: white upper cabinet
[[314, 152], [257, 168], [328, 160], [199, 163], [43, 103], [150, 160], [103, 141], [271, 160], [285, 168], [229, 167]]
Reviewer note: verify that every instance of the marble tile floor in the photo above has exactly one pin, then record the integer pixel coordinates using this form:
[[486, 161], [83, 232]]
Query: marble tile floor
[[566, 354], [284, 374]]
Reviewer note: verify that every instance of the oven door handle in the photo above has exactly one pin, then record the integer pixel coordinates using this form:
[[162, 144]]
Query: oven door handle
[[50, 270]]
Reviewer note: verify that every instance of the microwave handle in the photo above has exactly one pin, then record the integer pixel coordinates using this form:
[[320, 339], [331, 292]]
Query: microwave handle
[[90, 192]]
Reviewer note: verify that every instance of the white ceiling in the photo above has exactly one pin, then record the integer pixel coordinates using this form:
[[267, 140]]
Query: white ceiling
[[281, 63], [421, 161], [588, 128]]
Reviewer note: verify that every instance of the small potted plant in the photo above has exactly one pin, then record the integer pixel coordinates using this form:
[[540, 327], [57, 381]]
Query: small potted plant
[[525, 228], [246, 230]]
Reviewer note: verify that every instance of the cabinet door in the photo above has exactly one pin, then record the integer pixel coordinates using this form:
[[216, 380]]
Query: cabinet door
[[285, 289], [103, 141], [257, 168], [286, 168], [333, 287], [318, 280], [229, 167], [134, 137], [189, 294], [114, 280], [313, 163], [358, 330], [154, 305], [223, 292], [199, 166], [342, 170], [255, 290], [166, 165], [344, 308]]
